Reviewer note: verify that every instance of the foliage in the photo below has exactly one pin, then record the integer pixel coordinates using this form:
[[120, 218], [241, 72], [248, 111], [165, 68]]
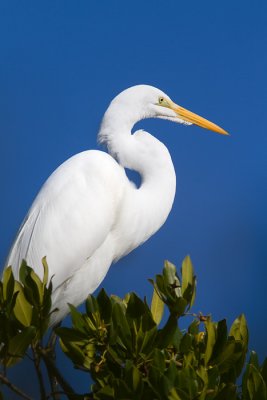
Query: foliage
[[24, 312], [130, 348]]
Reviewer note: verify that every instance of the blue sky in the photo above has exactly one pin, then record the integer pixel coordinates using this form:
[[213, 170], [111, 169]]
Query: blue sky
[[61, 64]]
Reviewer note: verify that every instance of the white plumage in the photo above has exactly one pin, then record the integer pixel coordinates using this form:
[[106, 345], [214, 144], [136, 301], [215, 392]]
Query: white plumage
[[88, 214]]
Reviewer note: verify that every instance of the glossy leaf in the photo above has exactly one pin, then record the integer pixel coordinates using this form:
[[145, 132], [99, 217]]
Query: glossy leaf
[[169, 274], [22, 309], [157, 307], [187, 273]]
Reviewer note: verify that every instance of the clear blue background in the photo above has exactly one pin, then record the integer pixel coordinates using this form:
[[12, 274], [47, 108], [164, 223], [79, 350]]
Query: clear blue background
[[61, 63]]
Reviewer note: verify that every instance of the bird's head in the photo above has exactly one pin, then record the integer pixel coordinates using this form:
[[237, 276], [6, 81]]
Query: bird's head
[[144, 101]]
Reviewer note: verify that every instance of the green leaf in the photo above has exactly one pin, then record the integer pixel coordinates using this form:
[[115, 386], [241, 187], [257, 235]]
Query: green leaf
[[105, 306], [179, 307], [159, 360], [194, 327], [22, 309], [228, 392], [264, 371], [160, 286], [114, 356], [45, 277], [253, 385], [121, 390], [239, 330], [23, 271], [74, 352], [157, 307], [121, 326], [169, 272], [186, 343], [135, 307], [188, 281], [227, 359], [203, 374], [8, 284], [171, 279], [18, 345], [221, 338], [187, 273], [133, 379], [167, 334], [105, 393], [148, 341], [91, 305], [38, 284], [77, 318], [70, 334], [211, 339], [33, 290], [173, 395], [254, 360]]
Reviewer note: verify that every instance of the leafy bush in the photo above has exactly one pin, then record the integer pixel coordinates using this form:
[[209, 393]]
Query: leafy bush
[[130, 348]]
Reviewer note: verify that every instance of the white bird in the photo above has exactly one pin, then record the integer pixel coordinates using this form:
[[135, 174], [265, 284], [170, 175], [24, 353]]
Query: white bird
[[88, 214]]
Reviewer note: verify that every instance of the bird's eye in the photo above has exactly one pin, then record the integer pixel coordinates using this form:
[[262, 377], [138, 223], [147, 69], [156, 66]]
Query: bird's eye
[[161, 100]]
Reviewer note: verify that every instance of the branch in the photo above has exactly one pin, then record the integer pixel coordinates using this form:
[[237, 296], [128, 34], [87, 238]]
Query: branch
[[36, 360], [14, 388], [53, 371]]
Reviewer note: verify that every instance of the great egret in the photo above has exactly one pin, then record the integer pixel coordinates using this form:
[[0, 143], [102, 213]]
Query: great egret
[[88, 214]]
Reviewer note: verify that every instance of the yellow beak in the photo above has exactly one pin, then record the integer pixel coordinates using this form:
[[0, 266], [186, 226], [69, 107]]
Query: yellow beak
[[196, 119]]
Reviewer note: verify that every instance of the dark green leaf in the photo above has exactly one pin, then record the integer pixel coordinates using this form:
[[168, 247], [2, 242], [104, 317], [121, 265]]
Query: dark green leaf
[[91, 305], [8, 284], [167, 334], [264, 371], [211, 339], [121, 325], [135, 307], [70, 334], [186, 343], [23, 271], [221, 338], [19, 344], [104, 304]]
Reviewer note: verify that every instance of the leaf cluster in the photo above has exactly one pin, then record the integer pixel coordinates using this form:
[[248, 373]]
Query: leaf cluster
[[131, 354], [131, 349], [24, 312]]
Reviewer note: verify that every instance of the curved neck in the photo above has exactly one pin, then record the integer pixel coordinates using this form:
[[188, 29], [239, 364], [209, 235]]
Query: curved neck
[[148, 207], [115, 131]]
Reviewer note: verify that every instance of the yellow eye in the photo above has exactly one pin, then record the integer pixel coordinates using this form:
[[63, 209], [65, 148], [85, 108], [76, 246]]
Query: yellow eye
[[163, 102]]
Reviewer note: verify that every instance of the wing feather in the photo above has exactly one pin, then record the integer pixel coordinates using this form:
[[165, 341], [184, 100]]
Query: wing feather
[[71, 217]]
